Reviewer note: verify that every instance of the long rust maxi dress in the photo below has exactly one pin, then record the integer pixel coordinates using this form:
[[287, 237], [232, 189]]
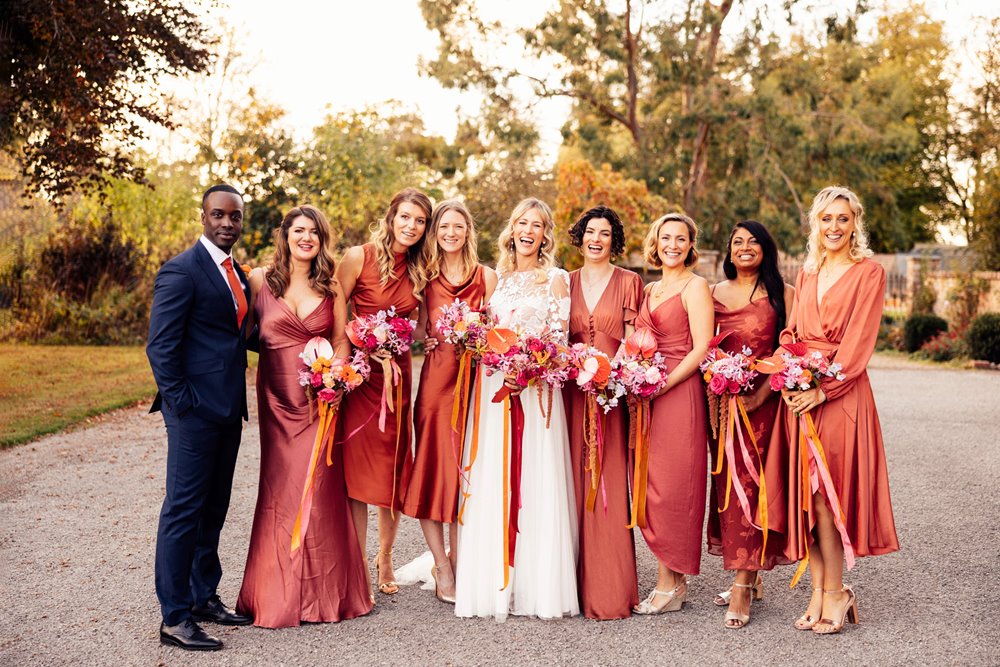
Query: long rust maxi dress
[[434, 479], [844, 328], [376, 462], [678, 442], [606, 568], [730, 535], [326, 579]]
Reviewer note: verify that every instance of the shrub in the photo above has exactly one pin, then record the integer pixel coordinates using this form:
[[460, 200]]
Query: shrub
[[964, 299], [919, 328], [890, 334], [983, 337], [945, 346]]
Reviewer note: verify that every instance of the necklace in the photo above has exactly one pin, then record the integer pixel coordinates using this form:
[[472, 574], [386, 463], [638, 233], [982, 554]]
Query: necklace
[[660, 287]]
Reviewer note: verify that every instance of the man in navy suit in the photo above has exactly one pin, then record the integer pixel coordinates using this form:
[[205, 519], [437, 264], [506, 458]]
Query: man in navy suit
[[197, 350]]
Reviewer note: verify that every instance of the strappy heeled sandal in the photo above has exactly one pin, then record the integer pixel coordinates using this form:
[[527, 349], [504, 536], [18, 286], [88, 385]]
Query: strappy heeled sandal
[[385, 587], [722, 599], [675, 600], [826, 626], [736, 621], [806, 621], [449, 599]]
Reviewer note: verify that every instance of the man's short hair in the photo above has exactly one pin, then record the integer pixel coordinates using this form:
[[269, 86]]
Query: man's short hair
[[221, 187]]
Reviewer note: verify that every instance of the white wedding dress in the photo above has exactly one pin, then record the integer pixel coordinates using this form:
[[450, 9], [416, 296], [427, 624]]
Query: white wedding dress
[[542, 580]]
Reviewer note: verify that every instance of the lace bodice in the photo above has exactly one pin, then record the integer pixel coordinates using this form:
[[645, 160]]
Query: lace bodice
[[521, 302]]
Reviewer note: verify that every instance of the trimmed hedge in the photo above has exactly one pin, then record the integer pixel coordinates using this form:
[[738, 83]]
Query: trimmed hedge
[[983, 337], [920, 328]]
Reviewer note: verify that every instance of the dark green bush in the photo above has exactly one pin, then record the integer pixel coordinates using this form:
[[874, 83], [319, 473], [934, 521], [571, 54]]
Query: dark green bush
[[983, 337], [920, 328]]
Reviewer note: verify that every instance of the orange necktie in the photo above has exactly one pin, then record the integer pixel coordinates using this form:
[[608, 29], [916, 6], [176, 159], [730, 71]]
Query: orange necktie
[[237, 287]]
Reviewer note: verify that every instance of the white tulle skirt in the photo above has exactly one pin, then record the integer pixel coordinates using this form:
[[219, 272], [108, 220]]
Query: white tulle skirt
[[542, 581]]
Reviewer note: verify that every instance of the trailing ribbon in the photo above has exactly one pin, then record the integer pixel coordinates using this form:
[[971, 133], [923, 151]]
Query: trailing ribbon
[[593, 437], [393, 374], [465, 472], [516, 458], [324, 435], [815, 476], [504, 488], [639, 415], [733, 431]]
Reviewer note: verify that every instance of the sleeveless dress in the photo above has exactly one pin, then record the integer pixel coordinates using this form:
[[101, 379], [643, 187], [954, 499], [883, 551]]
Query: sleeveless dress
[[844, 328], [433, 490], [729, 533], [678, 457], [375, 462], [543, 577], [326, 579], [606, 570]]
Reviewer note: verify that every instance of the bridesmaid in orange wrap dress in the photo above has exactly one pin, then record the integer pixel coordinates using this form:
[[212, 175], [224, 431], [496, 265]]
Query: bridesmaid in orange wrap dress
[[388, 271], [604, 301], [325, 579], [753, 303], [453, 272], [838, 308], [678, 309]]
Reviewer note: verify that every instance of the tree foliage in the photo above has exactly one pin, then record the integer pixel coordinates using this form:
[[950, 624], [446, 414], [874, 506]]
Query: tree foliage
[[80, 83]]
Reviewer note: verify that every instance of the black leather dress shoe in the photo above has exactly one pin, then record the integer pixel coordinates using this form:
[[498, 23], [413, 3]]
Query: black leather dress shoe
[[214, 611], [189, 636]]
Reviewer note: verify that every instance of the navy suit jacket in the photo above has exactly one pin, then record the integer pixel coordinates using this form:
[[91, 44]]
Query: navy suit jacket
[[197, 351]]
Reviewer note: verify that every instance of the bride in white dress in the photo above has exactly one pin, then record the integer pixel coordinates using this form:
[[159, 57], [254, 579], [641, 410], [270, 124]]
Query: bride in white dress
[[530, 295]]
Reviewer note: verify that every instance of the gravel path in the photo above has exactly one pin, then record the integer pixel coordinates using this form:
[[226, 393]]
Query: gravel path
[[78, 518]]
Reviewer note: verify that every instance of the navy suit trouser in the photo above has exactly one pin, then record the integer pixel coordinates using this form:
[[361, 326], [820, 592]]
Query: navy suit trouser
[[201, 458]]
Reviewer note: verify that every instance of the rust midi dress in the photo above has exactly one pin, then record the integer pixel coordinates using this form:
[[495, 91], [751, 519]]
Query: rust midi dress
[[729, 533], [844, 328], [434, 479], [678, 447], [606, 568], [326, 579], [376, 462]]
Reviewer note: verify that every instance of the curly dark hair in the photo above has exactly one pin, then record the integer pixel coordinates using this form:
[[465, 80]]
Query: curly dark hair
[[578, 229]]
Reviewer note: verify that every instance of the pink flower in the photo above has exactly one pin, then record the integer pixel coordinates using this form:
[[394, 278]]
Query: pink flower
[[734, 387], [317, 379], [718, 384], [327, 395], [536, 344], [401, 325], [777, 382]]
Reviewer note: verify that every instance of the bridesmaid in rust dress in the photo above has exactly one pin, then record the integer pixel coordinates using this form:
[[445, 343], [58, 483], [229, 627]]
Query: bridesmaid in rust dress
[[325, 579], [838, 308], [453, 272], [678, 309], [388, 271], [604, 301], [753, 304]]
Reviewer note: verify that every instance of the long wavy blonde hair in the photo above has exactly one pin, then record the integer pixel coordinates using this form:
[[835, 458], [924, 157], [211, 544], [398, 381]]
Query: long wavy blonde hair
[[382, 237], [432, 251], [321, 269], [546, 253], [815, 252]]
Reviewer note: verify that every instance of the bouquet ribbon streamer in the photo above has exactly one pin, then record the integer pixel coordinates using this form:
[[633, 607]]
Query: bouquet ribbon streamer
[[324, 435]]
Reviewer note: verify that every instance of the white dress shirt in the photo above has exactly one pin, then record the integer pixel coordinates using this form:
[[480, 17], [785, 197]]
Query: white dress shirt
[[219, 256]]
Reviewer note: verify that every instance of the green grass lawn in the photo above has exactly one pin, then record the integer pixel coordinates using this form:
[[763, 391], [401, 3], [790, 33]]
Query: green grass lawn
[[45, 388]]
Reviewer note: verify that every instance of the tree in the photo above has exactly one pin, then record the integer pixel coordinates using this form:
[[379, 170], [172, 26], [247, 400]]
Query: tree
[[81, 82]]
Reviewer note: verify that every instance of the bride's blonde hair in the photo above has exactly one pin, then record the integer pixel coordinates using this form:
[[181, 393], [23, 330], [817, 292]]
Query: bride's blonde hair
[[815, 252], [546, 253]]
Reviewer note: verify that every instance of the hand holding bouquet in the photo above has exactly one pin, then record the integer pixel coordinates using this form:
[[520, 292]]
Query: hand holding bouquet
[[465, 328], [798, 369], [591, 369], [383, 333], [726, 374]]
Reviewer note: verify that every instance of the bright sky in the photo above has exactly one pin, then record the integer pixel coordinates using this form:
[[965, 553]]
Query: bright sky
[[314, 57]]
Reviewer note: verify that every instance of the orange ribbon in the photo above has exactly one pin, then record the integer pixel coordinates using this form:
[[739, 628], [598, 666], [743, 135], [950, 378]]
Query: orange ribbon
[[639, 413], [466, 471], [593, 437], [324, 434]]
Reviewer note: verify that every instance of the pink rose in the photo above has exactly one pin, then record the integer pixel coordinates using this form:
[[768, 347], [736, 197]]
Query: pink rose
[[734, 387], [718, 384], [327, 395], [777, 382]]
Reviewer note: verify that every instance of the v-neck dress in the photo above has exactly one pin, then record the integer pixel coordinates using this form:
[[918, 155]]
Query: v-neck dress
[[844, 328], [606, 568], [326, 579], [434, 479], [729, 534], [678, 447]]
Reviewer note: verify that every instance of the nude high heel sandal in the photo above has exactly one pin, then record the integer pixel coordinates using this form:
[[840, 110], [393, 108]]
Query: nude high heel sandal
[[805, 621], [450, 599], [826, 626], [722, 599], [387, 587], [736, 621], [674, 602]]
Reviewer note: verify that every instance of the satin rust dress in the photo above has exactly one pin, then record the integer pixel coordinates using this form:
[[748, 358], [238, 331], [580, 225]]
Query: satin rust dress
[[729, 533], [606, 568], [375, 462], [678, 456], [326, 579], [844, 328], [434, 479]]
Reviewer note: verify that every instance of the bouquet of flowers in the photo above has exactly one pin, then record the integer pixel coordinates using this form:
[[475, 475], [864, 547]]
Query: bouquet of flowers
[[591, 369], [794, 367], [382, 332], [726, 374], [639, 371], [323, 376], [465, 328]]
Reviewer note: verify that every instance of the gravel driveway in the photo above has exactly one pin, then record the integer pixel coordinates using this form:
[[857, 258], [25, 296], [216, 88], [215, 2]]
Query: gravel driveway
[[78, 516]]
